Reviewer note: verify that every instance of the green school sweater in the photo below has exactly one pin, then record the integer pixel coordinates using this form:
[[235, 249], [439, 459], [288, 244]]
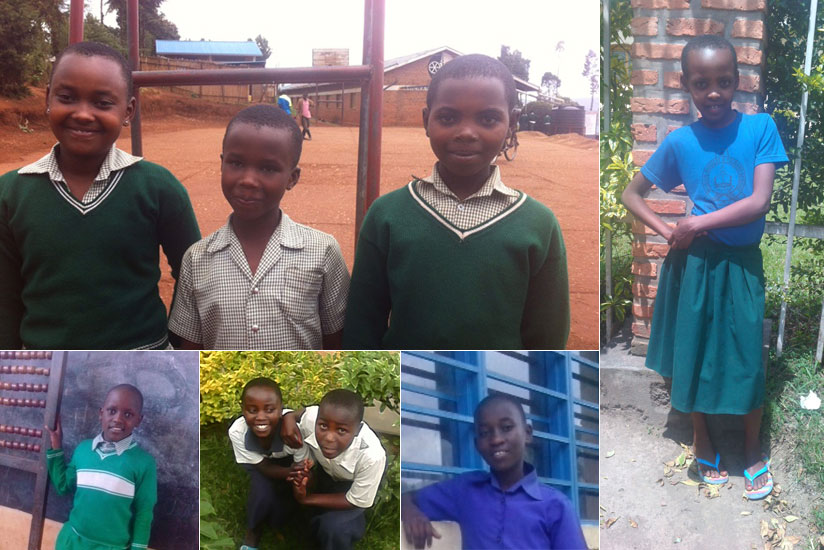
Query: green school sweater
[[114, 497], [420, 283], [88, 280]]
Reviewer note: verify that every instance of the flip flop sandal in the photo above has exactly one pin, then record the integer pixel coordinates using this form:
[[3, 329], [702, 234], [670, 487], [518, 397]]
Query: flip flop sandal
[[758, 494], [712, 480]]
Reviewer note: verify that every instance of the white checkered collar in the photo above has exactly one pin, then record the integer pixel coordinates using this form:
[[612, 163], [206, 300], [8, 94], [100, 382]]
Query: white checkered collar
[[115, 160], [286, 234], [119, 446], [348, 459], [493, 183]]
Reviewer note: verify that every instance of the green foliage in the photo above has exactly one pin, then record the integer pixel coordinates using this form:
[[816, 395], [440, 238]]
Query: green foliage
[[213, 535], [516, 63], [95, 31], [304, 377], [153, 24], [616, 166], [28, 28]]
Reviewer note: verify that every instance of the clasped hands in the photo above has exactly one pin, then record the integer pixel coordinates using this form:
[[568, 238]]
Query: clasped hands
[[299, 476], [682, 235]]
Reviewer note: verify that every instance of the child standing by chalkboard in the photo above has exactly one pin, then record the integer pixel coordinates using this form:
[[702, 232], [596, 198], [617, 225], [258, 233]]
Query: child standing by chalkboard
[[114, 480]]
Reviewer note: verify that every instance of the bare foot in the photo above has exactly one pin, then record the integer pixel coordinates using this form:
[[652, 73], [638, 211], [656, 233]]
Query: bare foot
[[757, 461], [704, 450]]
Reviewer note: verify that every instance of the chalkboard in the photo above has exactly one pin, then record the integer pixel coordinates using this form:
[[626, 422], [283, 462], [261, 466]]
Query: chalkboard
[[169, 432]]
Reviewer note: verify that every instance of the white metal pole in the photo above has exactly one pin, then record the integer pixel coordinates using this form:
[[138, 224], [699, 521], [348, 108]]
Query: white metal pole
[[796, 176]]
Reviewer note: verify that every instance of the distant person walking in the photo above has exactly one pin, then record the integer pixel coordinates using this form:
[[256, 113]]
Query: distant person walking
[[285, 103], [305, 115]]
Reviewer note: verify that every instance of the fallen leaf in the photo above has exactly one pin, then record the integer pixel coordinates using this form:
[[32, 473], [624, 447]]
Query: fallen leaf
[[669, 463], [601, 506], [610, 454], [746, 513], [681, 460], [633, 524], [790, 519], [690, 482], [610, 521]]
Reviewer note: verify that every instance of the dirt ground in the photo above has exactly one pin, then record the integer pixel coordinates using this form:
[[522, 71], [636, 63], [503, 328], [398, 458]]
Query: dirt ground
[[184, 135]]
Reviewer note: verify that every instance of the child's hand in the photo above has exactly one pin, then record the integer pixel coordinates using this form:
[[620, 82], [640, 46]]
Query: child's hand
[[289, 431], [683, 234], [418, 528], [299, 471], [56, 435], [299, 490]]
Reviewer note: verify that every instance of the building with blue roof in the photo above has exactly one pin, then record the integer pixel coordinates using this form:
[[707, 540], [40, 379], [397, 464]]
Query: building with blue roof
[[223, 52]]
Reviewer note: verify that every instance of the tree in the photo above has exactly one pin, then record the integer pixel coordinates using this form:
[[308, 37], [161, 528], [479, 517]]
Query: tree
[[263, 44], [96, 31], [591, 71], [551, 83], [517, 65], [559, 49], [30, 29], [153, 24]]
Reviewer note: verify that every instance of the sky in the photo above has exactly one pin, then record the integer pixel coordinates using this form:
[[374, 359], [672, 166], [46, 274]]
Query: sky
[[534, 27]]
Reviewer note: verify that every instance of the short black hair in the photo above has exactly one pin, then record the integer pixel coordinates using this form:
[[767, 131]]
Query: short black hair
[[346, 399], [474, 66], [268, 115], [505, 397], [709, 42], [96, 49], [262, 382], [128, 387]]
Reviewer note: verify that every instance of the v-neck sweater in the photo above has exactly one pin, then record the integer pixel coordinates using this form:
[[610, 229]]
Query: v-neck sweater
[[499, 285], [85, 276]]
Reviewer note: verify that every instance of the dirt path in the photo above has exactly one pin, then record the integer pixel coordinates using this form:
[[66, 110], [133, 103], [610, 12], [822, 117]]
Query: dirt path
[[560, 171]]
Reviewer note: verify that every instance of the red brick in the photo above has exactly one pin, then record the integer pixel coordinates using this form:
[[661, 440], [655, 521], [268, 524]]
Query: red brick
[[644, 290], [679, 189], [649, 50], [748, 55], [645, 269], [667, 206], [641, 328], [647, 105], [749, 83], [645, 132], [693, 27], [649, 250], [657, 4], [640, 311], [747, 108], [644, 26], [644, 78], [671, 129], [639, 228], [641, 156], [678, 106], [739, 5], [743, 28], [672, 79]]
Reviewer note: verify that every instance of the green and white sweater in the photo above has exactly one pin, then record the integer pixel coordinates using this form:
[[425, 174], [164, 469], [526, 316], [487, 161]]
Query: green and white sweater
[[499, 285], [84, 276], [114, 494]]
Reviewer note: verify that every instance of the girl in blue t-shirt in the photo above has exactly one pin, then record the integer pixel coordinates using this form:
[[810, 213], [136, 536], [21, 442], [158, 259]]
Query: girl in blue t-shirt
[[707, 326]]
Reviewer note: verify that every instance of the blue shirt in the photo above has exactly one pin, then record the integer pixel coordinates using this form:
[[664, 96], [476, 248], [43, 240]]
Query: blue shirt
[[716, 166], [283, 104], [528, 515]]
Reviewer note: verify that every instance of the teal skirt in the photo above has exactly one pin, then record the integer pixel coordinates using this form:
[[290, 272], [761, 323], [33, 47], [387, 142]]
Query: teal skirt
[[707, 328]]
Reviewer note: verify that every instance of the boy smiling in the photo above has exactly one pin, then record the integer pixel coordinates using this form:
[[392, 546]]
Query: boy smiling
[[504, 508], [459, 260], [114, 480], [261, 281]]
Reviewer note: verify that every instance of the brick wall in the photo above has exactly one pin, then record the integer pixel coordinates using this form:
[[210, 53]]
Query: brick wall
[[660, 29]]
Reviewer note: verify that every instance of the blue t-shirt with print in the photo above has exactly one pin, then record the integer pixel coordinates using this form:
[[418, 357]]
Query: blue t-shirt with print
[[716, 166]]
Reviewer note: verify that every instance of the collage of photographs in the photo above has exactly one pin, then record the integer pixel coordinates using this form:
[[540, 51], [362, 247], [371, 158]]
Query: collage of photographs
[[401, 275]]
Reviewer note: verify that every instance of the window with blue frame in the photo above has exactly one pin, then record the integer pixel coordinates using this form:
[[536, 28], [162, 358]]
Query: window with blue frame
[[558, 392]]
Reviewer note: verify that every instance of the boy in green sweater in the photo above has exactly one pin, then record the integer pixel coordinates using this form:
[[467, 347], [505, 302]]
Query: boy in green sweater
[[458, 260], [114, 480]]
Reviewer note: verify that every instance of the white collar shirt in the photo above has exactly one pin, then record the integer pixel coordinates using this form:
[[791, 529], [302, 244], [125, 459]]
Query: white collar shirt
[[297, 295]]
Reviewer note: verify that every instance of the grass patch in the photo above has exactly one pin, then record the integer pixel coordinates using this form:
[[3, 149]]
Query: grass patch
[[227, 484]]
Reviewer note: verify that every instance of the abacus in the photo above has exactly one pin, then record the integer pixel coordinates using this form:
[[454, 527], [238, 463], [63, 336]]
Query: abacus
[[33, 381]]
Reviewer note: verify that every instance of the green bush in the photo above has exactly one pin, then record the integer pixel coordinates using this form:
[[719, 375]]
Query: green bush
[[304, 377]]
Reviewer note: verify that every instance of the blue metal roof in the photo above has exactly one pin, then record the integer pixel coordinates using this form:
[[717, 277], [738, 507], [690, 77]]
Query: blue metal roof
[[188, 47]]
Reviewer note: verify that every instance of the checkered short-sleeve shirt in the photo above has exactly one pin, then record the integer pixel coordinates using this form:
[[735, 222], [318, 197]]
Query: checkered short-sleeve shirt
[[297, 294]]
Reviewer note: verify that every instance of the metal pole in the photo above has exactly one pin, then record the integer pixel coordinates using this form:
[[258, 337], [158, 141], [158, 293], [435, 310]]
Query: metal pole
[[76, 22], [133, 27], [819, 348], [373, 170], [796, 176], [363, 126], [607, 232]]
